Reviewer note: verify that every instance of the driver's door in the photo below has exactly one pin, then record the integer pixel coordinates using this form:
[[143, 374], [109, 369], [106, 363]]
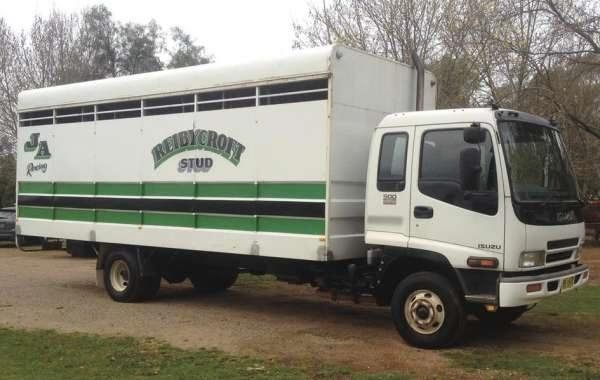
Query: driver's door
[[456, 193]]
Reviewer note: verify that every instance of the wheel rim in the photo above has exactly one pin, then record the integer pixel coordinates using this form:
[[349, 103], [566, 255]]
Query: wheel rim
[[119, 275], [424, 311]]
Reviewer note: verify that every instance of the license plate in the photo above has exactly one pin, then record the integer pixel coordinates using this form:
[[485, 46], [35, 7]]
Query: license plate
[[567, 283]]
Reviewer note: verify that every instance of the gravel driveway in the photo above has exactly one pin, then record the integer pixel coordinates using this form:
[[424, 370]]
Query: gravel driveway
[[51, 290]]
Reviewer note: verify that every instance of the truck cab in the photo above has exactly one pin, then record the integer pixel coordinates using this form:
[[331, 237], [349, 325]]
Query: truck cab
[[484, 197]]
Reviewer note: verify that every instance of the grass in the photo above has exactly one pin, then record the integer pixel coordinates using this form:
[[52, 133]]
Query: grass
[[254, 281], [571, 307], [50, 355], [584, 301], [511, 363]]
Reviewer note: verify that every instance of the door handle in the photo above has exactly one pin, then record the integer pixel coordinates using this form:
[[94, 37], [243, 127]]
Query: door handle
[[423, 212]]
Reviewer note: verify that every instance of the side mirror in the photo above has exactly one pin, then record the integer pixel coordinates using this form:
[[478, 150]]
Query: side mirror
[[474, 134]]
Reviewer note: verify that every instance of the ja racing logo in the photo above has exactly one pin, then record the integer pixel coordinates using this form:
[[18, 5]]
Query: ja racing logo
[[40, 147], [34, 143]]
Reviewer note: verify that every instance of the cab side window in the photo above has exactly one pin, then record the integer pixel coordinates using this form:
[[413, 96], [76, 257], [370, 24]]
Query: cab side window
[[457, 172], [391, 175]]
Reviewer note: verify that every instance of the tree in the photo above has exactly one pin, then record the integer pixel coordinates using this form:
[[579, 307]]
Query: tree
[[7, 180], [10, 83], [186, 52], [64, 48], [138, 48], [96, 42], [540, 56]]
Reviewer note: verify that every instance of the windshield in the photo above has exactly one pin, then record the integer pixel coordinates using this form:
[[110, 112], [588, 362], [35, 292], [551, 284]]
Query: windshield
[[537, 163]]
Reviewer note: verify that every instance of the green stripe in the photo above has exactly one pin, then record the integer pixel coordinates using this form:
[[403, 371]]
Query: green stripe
[[79, 188], [169, 189], [74, 214], [120, 217], [229, 190], [119, 188], [292, 190], [36, 212], [310, 226], [174, 219], [291, 225], [297, 190], [225, 222], [36, 187]]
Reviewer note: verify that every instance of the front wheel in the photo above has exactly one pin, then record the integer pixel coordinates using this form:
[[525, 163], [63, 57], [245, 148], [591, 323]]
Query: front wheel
[[428, 311]]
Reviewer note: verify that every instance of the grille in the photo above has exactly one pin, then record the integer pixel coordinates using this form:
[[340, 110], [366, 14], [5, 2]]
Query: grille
[[553, 257], [556, 244]]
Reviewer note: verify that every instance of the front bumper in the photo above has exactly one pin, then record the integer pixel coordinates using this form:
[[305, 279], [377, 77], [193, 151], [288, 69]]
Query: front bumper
[[513, 290]]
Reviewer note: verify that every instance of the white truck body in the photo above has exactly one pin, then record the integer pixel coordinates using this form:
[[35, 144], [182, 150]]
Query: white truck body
[[310, 167], [309, 152]]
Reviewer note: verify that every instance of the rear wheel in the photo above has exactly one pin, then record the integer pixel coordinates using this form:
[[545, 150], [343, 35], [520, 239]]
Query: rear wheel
[[210, 280], [428, 311], [123, 280], [501, 317]]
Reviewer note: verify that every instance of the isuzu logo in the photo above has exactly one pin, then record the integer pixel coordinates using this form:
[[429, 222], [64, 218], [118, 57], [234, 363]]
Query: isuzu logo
[[489, 246]]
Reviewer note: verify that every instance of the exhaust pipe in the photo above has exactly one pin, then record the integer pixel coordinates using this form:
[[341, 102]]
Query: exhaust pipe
[[420, 80]]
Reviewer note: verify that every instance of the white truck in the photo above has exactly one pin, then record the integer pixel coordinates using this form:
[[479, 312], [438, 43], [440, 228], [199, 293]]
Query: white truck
[[312, 168]]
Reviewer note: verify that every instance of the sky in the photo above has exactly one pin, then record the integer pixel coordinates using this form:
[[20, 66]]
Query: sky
[[231, 30]]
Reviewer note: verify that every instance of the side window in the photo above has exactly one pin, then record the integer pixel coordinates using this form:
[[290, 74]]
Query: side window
[[392, 162], [459, 173]]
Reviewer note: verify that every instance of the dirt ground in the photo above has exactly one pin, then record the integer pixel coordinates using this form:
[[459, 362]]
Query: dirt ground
[[290, 324]]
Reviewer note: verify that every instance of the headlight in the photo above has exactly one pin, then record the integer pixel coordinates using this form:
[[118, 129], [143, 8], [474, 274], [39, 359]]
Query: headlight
[[532, 259]]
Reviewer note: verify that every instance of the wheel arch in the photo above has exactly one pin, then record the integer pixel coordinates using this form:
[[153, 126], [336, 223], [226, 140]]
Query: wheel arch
[[397, 263], [145, 261]]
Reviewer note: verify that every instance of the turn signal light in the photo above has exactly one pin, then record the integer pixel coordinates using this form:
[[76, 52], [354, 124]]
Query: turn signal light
[[532, 288], [482, 262]]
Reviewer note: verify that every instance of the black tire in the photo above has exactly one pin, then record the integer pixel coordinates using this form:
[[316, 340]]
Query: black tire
[[212, 280], [432, 294], [122, 279], [500, 318]]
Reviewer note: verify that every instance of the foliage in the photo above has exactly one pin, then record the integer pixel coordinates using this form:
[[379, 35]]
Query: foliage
[[64, 48], [186, 52], [138, 47], [7, 180], [539, 56]]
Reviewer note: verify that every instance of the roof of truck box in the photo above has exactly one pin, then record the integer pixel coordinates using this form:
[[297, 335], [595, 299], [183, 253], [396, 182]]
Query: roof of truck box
[[299, 63]]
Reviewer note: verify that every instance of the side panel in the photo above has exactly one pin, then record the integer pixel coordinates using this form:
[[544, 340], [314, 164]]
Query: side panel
[[270, 202], [365, 89]]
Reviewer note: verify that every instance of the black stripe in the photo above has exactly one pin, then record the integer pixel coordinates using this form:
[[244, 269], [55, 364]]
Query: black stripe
[[281, 208]]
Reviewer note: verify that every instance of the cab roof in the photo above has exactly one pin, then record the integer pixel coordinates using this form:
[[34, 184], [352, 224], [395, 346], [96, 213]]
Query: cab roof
[[459, 115]]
